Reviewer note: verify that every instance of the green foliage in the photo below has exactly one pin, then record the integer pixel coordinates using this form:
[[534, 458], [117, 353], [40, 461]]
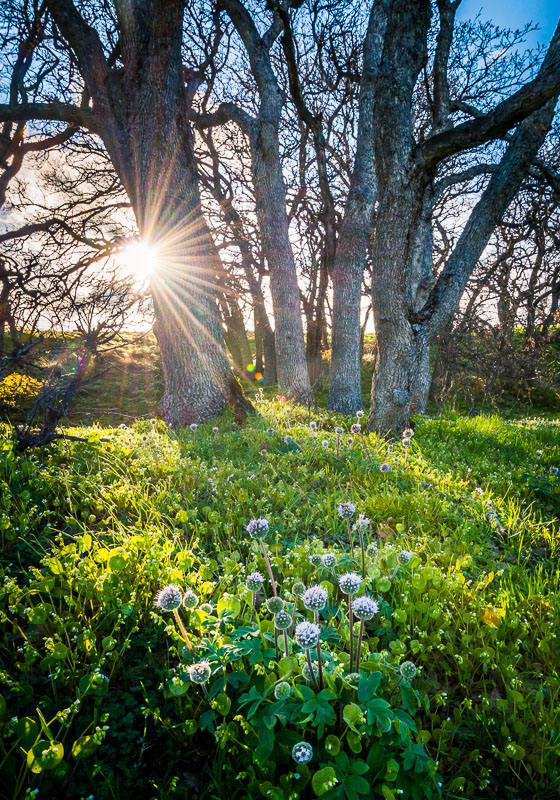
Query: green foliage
[[96, 693]]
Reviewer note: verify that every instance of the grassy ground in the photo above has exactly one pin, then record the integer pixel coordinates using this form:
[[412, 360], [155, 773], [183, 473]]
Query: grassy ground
[[96, 694]]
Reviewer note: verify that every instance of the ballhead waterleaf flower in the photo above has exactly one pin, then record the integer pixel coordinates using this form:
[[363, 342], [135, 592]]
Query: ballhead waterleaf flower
[[307, 634], [275, 604], [257, 528], [254, 581], [350, 582], [315, 598], [346, 510], [404, 557], [329, 560], [365, 607], [355, 428], [362, 523], [408, 670], [282, 690], [282, 620], [316, 559], [385, 467], [302, 753], [298, 588], [190, 600], [200, 673], [169, 598]]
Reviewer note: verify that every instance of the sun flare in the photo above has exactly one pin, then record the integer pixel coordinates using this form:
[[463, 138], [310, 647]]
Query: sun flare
[[139, 259]]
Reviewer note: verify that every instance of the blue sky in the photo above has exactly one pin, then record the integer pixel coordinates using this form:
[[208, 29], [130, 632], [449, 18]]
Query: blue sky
[[515, 13]]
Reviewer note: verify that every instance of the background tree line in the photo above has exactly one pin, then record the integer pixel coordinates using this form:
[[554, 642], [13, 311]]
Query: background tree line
[[299, 167]]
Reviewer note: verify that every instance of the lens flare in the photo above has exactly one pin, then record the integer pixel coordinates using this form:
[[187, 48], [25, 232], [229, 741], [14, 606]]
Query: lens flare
[[139, 259]]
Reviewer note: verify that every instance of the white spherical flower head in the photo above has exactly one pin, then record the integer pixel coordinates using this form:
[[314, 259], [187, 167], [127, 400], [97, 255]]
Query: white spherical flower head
[[329, 560], [257, 528], [302, 753], [406, 441], [254, 581], [539, 453], [385, 467], [364, 607], [282, 620], [339, 431], [404, 557], [350, 583], [306, 672], [169, 598], [355, 428], [346, 510], [215, 429], [307, 635], [315, 598], [359, 413], [372, 549], [206, 607], [325, 443], [554, 471], [190, 600], [282, 690], [287, 439], [408, 670], [313, 425], [316, 559], [298, 588], [362, 523], [275, 605], [270, 431], [408, 433], [200, 673], [193, 426]]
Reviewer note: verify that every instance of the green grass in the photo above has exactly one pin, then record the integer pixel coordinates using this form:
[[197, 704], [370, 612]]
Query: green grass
[[90, 531]]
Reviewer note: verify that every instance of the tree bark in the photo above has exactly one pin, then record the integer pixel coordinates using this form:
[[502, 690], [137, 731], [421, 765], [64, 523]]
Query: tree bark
[[345, 390]]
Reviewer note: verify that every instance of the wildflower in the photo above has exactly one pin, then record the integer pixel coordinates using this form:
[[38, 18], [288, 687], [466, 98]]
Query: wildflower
[[350, 582], [478, 490], [287, 439], [193, 426], [307, 634], [252, 478], [315, 598], [309, 673], [302, 753], [406, 442], [538, 453], [365, 607], [123, 427], [215, 429], [275, 604], [169, 598], [313, 425], [270, 431], [315, 559], [404, 557], [339, 431], [200, 673], [408, 670], [325, 443], [554, 471], [254, 581], [346, 510], [359, 413], [298, 588], [372, 549], [263, 452], [190, 600], [362, 523], [385, 467], [282, 620], [282, 690], [206, 607], [353, 678], [355, 428], [408, 433], [153, 421], [257, 528], [329, 560]]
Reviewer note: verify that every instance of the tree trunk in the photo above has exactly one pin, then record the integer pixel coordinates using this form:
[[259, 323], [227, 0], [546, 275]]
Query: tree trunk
[[270, 200]]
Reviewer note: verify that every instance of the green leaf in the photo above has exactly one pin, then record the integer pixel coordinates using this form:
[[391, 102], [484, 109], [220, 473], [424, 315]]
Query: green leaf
[[44, 755], [26, 730], [353, 716], [323, 781], [83, 747], [368, 686]]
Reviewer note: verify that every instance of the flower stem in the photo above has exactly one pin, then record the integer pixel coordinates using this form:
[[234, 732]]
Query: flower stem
[[269, 567], [359, 645], [182, 629], [293, 615], [286, 650], [351, 620], [350, 537], [319, 656], [363, 552], [311, 670]]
